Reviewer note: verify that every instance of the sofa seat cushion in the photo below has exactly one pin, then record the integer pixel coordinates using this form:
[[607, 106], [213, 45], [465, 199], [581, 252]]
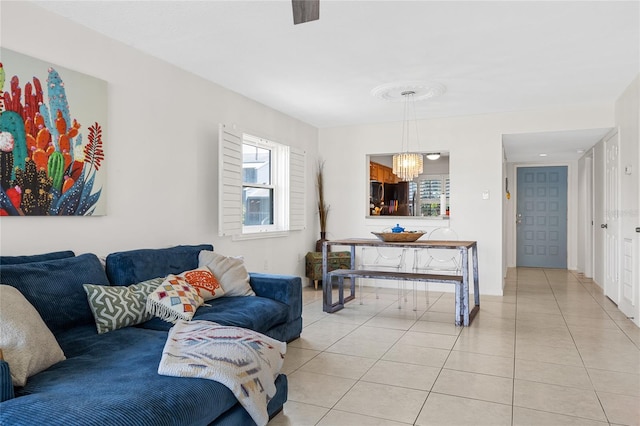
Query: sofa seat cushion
[[255, 313], [113, 379]]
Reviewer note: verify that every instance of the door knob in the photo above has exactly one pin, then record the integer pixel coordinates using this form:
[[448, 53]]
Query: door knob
[[604, 226]]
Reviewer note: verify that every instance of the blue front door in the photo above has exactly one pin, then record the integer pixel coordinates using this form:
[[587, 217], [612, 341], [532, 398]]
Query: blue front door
[[542, 217]]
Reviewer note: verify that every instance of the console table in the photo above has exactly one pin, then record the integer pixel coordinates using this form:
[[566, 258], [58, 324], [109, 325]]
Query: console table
[[463, 315]]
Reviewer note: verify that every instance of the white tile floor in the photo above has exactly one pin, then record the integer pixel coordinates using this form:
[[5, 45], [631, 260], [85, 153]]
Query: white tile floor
[[552, 351]]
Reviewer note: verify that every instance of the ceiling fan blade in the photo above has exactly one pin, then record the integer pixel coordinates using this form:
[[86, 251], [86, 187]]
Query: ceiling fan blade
[[305, 11]]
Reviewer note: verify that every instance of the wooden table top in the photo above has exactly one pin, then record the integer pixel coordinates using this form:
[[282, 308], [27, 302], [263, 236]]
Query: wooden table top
[[415, 244]]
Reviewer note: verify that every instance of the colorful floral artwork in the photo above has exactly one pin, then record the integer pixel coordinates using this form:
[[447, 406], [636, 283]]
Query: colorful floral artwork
[[51, 139]]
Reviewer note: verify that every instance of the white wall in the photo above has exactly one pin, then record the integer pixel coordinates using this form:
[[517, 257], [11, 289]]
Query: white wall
[[161, 150], [475, 146]]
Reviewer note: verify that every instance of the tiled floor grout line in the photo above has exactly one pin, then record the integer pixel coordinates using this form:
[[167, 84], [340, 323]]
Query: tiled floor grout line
[[607, 312], [359, 379], [574, 342], [572, 338], [378, 359], [443, 364], [515, 347], [577, 347], [382, 356]]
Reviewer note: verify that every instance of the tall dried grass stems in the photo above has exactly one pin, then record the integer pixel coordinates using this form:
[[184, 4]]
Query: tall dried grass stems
[[323, 208]]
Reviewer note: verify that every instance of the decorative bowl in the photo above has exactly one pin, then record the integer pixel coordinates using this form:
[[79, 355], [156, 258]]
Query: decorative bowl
[[398, 237]]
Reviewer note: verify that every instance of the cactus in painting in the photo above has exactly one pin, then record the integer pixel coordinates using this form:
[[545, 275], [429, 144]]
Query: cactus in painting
[[1, 87], [44, 192], [6, 165], [36, 188], [11, 122], [59, 106], [27, 181], [6, 158], [56, 169]]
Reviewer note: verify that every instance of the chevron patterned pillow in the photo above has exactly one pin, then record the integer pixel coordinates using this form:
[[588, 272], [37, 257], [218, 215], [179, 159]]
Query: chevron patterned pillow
[[116, 307]]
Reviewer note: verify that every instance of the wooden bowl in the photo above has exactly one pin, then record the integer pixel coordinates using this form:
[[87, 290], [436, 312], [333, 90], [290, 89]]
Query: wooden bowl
[[398, 237]]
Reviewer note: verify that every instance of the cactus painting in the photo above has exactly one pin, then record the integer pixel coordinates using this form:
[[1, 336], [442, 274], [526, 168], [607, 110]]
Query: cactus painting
[[52, 131]]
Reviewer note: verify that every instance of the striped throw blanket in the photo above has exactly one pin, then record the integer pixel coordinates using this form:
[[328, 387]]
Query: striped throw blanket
[[245, 361]]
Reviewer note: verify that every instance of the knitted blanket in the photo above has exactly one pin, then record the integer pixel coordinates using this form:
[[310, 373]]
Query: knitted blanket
[[245, 361]]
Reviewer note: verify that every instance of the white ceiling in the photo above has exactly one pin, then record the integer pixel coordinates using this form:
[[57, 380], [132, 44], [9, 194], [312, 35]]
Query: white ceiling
[[551, 146], [491, 56]]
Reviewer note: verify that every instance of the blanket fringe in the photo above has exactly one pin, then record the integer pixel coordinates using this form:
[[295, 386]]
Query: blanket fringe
[[157, 309]]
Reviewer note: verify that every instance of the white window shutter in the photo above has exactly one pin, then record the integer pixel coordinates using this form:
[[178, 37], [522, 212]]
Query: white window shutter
[[297, 216], [229, 181]]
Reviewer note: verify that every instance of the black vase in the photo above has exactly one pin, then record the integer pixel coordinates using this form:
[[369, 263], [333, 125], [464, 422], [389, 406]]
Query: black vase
[[321, 241]]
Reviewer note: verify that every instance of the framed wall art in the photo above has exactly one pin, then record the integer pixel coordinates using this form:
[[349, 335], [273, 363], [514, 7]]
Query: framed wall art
[[52, 137]]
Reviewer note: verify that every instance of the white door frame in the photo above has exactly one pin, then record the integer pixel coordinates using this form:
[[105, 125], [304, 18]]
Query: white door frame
[[585, 215], [598, 212], [612, 223]]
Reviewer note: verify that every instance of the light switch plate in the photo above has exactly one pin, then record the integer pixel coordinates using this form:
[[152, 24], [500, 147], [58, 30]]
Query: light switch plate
[[485, 195]]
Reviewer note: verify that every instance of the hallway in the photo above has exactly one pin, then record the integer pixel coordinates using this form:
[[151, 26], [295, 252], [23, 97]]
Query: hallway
[[552, 351]]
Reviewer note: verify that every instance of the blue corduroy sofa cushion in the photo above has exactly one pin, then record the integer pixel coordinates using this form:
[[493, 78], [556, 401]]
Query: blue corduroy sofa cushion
[[252, 312], [55, 289], [112, 379], [134, 266], [6, 385], [15, 260]]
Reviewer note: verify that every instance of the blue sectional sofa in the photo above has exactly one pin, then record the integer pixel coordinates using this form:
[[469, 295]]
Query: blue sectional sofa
[[112, 378]]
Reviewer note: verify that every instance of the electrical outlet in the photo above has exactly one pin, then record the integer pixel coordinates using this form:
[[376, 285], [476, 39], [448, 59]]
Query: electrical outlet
[[266, 265]]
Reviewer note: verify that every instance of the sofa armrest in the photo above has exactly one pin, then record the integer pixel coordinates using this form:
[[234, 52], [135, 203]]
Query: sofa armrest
[[6, 383], [283, 288]]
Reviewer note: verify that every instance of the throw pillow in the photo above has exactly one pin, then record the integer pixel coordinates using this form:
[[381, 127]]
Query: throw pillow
[[16, 260], [205, 282], [174, 299], [55, 289], [230, 272], [116, 307], [27, 343]]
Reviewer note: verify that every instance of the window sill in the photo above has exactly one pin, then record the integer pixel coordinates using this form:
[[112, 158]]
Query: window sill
[[259, 235]]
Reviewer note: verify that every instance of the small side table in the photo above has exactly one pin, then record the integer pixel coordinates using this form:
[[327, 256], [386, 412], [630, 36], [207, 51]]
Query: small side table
[[335, 260]]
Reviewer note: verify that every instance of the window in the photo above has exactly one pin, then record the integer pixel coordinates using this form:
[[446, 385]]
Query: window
[[431, 190], [259, 159], [261, 185]]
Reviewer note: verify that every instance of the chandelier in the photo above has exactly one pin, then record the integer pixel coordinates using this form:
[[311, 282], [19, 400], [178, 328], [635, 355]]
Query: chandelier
[[408, 165]]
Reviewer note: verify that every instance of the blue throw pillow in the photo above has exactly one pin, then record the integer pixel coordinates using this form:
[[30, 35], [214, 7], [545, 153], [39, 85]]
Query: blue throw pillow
[[15, 260], [134, 266], [55, 288]]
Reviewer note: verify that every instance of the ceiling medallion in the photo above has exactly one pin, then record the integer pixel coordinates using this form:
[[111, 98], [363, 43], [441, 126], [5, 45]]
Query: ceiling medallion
[[393, 92]]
